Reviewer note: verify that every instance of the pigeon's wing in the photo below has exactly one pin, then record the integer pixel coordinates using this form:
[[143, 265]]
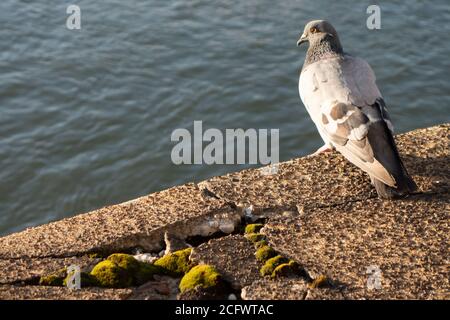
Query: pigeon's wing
[[344, 102]]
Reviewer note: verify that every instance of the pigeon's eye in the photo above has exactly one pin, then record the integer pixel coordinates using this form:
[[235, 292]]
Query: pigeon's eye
[[313, 30]]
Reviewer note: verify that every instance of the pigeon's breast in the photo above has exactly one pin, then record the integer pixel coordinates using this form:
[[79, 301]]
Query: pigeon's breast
[[343, 79]]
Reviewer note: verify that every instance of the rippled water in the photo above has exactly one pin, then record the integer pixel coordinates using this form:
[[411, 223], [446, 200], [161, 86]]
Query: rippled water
[[86, 116]]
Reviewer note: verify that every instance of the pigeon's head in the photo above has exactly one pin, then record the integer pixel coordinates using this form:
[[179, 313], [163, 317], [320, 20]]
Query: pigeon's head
[[318, 31]]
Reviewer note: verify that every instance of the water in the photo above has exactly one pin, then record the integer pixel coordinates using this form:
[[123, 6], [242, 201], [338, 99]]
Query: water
[[86, 116]]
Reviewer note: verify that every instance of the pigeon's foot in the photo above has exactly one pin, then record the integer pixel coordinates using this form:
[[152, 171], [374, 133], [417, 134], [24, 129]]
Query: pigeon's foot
[[324, 148]]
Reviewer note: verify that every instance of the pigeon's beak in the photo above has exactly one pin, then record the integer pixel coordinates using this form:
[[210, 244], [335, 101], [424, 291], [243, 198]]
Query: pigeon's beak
[[302, 39]]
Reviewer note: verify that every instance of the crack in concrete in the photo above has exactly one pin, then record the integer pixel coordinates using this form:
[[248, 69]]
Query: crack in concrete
[[206, 192], [233, 206]]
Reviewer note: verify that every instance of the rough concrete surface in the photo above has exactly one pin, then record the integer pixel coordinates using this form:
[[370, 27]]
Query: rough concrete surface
[[288, 289], [266, 289], [161, 288], [328, 179], [137, 223], [61, 293], [30, 269], [320, 211], [233, 256], [406, 239]]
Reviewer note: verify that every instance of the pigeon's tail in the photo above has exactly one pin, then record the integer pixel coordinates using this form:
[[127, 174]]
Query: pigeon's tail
[[405, 186], [386, 152]]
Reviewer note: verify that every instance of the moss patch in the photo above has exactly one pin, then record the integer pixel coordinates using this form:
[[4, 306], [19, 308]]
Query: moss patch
[[320, 282], [254, 237], [146, 272], [176, 263], [286, 269], [253, 228], [204, 276], [94, 255], [108, 274], [270, 265], [121, 270], [125, 261], [86, 280], [274, 265], [51, 280], [54, 279], [260, 244], [264, 253]]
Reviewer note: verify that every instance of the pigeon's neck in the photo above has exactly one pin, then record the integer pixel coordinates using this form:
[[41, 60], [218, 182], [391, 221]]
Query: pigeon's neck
[[322, 50]]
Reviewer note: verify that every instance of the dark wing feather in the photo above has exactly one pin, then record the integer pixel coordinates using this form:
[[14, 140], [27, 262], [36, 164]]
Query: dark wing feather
[[349, 128]]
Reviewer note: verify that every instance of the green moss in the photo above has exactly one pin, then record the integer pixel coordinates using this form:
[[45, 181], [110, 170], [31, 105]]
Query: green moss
[[61, 277], [204, 276], [270, 265], [253, 228], [254, 237], [125, 261], [51, 280], [146, 272], [54, 279], [260, 244], [94, 255], [176, 263], [320, 282], [264, 253], [86, 280], [285, 269], [108, 274], [121, 270]]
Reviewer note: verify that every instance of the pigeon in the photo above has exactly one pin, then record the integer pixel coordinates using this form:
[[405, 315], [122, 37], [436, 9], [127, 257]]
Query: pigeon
[[343, 100]]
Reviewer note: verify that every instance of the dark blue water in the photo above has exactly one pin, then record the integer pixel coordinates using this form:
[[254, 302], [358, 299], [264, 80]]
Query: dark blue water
[[86, 115]]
